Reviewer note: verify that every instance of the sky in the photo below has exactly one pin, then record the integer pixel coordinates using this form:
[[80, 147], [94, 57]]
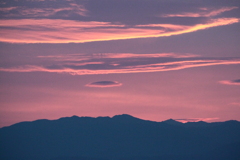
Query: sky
[[152, 59]]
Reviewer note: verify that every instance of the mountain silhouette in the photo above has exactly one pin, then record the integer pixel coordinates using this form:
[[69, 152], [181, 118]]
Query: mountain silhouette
[[122, 137]]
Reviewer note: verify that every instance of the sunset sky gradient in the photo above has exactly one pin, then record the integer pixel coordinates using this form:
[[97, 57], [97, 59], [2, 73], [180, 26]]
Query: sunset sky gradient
[[153, 59]]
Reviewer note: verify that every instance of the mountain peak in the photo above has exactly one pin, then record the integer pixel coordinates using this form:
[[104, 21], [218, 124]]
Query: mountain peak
[[172, 121], [123, 116]]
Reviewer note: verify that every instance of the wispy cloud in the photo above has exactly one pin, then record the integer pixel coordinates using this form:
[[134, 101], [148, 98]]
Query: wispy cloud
[[231, 82], [235, 103], [202, 12], [83, 64], [104, 84], [152, 55], [7, 9], [66, 31], [22, 11], [195, 119]]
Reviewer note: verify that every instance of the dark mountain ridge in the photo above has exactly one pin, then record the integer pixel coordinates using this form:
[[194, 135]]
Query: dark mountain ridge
[[121, 137]]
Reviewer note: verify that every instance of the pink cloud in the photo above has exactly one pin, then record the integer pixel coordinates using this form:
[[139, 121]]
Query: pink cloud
[[203, 12], [83, 64], [231, 82], [153, 55], [67, 31]]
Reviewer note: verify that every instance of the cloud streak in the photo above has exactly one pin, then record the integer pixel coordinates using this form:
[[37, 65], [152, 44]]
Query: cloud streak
[[39, 9], [84, 64], [202, 12], [104, 84], [67, 31], [231, 82], [83, 21]]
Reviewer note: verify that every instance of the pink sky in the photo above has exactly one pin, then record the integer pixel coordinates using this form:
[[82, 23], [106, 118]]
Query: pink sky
[[101, 58]]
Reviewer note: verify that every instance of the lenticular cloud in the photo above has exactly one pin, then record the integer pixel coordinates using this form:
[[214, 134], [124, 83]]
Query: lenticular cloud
[[103, 84]]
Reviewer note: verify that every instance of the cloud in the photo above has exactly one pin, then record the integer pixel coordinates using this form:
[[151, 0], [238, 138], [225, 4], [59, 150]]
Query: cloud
[[104, 20], [230, 82], [132, 55], [7, 9], [108, 63], [47, 12], [195, 119], [103, 84], [42, 9], [126, 12], [202, 12], [67, 31]]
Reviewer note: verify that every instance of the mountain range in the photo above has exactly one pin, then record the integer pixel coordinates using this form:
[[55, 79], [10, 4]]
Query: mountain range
[[121, 137]]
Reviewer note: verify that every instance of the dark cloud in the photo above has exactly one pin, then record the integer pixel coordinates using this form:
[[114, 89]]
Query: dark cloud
[[236, 81], [103, 84]]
